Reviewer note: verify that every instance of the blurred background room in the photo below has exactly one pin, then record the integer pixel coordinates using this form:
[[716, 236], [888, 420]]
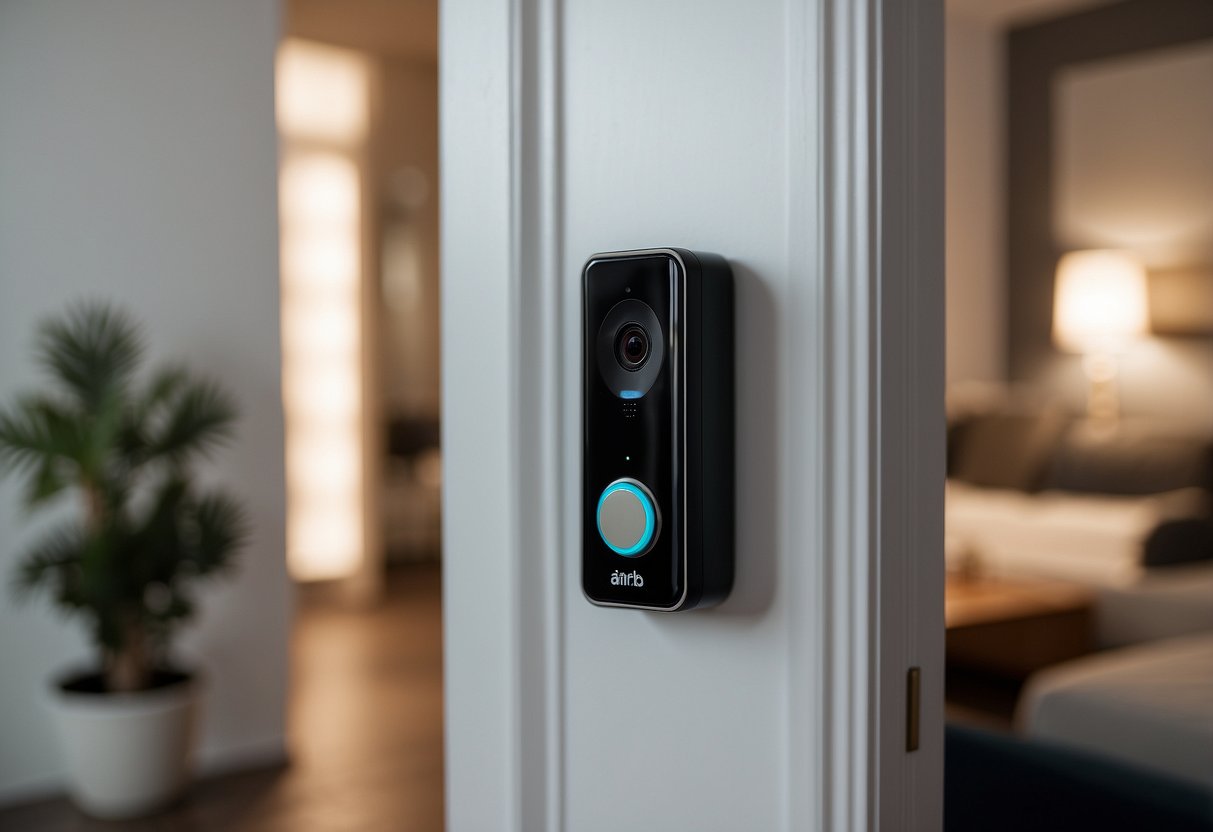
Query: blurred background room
[[1080, 414], [264, 204]]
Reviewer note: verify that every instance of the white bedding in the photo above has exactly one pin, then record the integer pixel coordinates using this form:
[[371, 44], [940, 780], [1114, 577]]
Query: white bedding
[[1150, 705], [1092, 540]]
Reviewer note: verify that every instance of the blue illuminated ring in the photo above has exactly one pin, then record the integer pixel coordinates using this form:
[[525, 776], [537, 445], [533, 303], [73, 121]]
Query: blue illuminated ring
[[650, 518]]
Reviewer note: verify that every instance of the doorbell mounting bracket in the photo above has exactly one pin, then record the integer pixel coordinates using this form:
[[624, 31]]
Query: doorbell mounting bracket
[[657, 451]]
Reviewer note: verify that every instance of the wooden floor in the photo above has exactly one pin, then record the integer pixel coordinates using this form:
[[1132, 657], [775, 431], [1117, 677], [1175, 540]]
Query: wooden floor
[[365, 733]]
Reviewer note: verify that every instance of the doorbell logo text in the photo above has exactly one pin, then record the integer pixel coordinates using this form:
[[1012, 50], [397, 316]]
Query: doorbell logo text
[[632, 578]]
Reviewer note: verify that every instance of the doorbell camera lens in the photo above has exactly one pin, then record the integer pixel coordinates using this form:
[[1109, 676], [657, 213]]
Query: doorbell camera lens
[[627, 342], [632, 347]]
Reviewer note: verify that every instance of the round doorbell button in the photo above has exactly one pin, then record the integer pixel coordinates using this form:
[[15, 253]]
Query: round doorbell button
[[628, 520]]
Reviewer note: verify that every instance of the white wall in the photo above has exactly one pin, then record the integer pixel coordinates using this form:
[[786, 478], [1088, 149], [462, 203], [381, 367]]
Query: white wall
[[642, 684], [976, 271], [577, 126], [138, 164]]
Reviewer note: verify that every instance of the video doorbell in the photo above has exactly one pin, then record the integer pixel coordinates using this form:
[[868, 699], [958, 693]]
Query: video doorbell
[[657, 380]]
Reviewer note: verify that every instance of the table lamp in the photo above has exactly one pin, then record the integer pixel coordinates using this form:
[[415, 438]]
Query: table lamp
[[1100, 310]]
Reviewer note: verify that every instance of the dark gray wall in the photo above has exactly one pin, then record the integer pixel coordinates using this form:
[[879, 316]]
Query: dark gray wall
[[1035, 54]]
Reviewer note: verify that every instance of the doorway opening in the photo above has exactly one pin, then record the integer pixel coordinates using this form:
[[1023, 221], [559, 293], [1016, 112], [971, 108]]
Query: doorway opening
[[1079, 533], [357, 106]]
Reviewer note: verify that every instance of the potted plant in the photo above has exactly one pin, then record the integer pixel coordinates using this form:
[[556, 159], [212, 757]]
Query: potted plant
[[143, 534]]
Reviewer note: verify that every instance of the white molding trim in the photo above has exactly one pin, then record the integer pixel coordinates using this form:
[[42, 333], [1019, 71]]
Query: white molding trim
[[879, 394], [867, 225], [832, 238], [537, 188], [865, 215], [502, 413], [480, 424]]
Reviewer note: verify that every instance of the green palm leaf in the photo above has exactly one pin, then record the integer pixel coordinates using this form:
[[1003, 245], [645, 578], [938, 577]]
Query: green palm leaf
[[39, 428], [197, 417], [220, 529], [148, 413], [59, 444], [53, 563], [91, 351], [157, 545]]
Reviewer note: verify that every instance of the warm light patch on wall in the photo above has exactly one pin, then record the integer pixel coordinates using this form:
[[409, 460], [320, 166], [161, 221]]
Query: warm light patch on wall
[[323, 100], [322, 93]]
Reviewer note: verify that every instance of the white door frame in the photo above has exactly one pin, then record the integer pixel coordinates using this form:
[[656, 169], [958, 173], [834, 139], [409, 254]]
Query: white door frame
[[868, 337]]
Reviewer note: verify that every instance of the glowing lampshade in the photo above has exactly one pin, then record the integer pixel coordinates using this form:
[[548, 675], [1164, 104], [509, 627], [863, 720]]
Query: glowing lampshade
[[1100, 301]]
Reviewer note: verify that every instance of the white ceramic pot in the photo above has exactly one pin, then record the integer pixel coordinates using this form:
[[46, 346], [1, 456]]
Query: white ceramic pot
[[128, 754]]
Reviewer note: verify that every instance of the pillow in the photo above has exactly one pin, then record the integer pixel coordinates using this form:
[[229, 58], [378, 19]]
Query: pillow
[[1130, 462], [1179, 541], [1007, 450], [1090, 538], [957, 428]]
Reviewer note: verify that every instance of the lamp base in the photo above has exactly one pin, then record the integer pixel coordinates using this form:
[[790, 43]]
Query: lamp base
[[1103, 394]]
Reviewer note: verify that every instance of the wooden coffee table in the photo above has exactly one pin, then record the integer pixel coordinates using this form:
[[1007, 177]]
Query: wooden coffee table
[[1013, 628]]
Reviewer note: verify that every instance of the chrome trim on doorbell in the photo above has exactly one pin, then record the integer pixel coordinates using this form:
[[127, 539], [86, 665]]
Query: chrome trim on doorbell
[[657, 452]]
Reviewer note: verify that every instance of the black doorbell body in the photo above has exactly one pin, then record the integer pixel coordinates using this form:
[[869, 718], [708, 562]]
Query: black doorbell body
[[658, 431]]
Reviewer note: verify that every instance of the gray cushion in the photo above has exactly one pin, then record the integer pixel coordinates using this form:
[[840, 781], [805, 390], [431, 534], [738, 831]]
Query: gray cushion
[[1129, 462], [1007, 450], [1179, 541]]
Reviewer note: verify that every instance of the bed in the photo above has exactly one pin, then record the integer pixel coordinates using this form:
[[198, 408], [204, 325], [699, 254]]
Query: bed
[[1150, 705], [1091, 540]]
